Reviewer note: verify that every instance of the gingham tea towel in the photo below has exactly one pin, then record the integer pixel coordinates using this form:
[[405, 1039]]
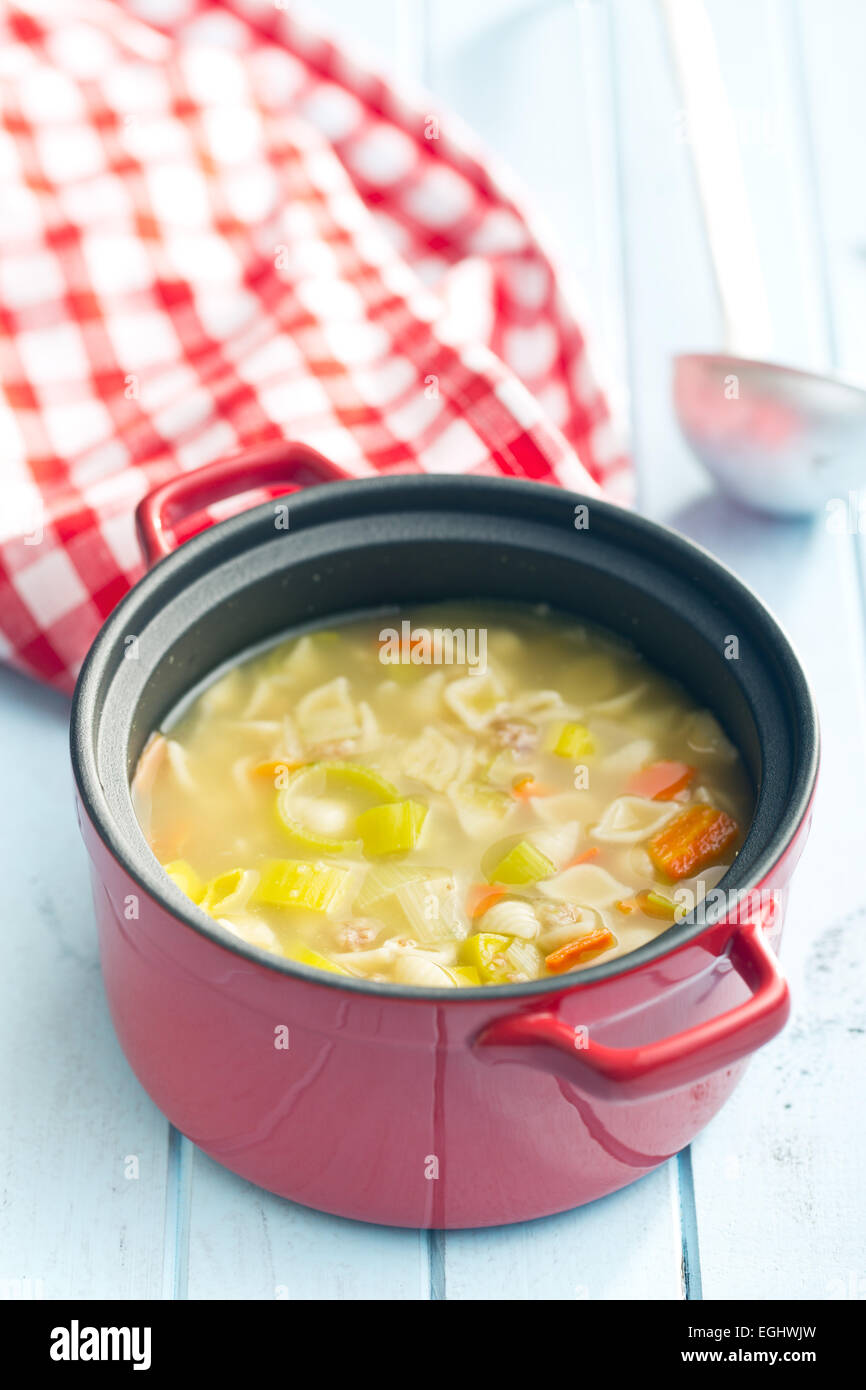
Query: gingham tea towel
[[216, 229]]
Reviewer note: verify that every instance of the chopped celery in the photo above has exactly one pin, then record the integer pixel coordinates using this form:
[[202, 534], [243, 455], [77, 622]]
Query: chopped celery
[[572, 741], [305, 956], [296, 883], [485, 952], [313, 779], [393, 828], [522, 864], [186, 878]]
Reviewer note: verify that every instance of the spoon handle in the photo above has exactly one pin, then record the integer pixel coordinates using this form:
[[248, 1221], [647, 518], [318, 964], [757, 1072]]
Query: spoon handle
[[710, 132]]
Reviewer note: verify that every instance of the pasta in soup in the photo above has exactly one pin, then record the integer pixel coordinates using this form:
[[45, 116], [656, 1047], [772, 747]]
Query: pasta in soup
[[473, 794]]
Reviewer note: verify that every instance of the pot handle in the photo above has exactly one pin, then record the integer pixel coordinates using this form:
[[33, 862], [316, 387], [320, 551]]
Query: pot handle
[[280, 466], [539, 1038]]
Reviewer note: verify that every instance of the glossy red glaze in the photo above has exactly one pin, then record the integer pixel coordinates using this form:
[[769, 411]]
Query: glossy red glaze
[[432, 1113], [269, 470], [437, 1111]]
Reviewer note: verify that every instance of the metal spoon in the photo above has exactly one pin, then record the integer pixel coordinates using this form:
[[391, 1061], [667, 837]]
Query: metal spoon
[[776, 438]]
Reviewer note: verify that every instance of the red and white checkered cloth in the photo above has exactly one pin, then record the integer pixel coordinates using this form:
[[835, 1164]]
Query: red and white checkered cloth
[[215, 230]]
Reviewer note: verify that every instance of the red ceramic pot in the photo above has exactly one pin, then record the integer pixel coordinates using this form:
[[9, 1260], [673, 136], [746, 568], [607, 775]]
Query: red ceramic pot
[[396, 1104]]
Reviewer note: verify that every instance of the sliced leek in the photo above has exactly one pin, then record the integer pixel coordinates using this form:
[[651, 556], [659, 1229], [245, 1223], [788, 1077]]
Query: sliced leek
[[297, 883], [522, 864], [485, 953], [392, 828], [310, 781]]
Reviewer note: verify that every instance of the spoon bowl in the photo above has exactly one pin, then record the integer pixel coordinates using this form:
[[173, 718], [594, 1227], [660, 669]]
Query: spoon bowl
[[777, 438]]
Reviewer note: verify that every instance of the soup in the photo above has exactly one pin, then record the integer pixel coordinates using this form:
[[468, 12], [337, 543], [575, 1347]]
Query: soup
[[473, 794]]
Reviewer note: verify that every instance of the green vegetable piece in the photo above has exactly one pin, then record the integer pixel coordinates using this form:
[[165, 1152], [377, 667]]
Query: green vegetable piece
[[297, 883], [523, 864], [305, 779], [573, 741], [485, 952], [393, 828]]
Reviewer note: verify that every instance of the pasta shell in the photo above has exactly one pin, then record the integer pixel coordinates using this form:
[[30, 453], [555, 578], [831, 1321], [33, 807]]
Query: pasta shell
[[328, 713], [433, 759], [412, 969], [511, 918], [587, 885], [475, 699], [631, 818], [251, 930]]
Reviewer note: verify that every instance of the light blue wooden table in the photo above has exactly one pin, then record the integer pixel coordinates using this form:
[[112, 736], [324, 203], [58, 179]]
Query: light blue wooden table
[[768, 1202]]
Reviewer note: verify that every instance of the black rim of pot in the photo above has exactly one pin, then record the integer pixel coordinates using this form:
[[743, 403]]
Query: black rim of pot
[[494, 496]]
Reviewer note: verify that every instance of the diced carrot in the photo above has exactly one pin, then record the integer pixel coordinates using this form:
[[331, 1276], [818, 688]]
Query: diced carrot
[[272, 767], [584, 857], [661, 781], [627, 905], [692, 840], [525, 787], [481, 896], [574, 951]]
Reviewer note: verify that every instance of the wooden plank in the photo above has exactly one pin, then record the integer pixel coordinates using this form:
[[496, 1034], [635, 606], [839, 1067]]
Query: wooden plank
[[767, 1220], [558, 135], [830, 65], [246, 1243], [758, 54], [532, 82], [777, 1173], [76, 1221], [670, 303], [622, 1247]]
